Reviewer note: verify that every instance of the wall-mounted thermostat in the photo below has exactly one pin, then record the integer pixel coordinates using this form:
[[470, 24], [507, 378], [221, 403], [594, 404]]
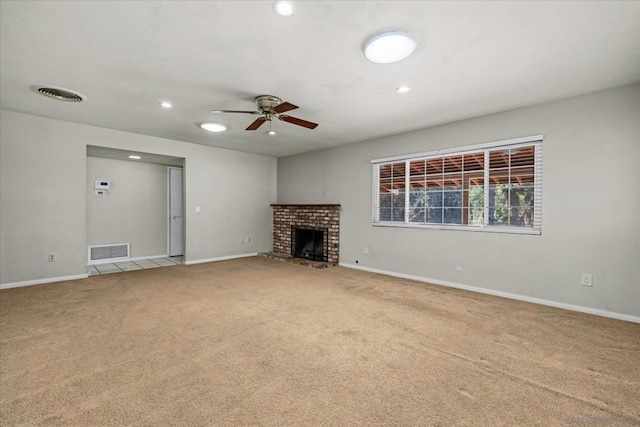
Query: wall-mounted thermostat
[[102, 185]]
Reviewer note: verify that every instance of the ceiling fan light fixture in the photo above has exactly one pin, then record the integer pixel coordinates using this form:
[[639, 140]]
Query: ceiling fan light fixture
[[389, 46], [213, 127], [283, 8], [272, 132]]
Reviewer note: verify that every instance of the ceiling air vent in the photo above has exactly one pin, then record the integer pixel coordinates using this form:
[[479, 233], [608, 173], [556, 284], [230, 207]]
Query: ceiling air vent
[[60, 94]]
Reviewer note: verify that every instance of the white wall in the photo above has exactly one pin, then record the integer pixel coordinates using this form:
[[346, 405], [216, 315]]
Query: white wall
[[591, 205], [135, 208], [43, 195]]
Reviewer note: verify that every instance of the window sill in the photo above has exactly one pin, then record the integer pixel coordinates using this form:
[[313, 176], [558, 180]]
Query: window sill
[[504, 230]]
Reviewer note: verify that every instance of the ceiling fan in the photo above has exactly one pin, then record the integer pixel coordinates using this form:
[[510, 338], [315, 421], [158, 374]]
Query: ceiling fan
[[270, 106]]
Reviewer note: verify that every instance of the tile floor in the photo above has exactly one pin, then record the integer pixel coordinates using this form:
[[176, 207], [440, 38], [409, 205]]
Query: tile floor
[[117, 267]]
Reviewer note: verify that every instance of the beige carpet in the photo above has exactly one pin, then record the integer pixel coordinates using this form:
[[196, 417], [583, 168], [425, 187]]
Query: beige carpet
[[262, 342]]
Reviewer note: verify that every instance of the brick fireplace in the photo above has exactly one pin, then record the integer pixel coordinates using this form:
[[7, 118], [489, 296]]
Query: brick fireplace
[[311, 220]]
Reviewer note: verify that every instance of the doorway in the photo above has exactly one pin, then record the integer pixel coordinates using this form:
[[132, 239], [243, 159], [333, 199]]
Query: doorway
[[176, 212]]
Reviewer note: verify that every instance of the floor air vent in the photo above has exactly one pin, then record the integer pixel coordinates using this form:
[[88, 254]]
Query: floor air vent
[[108, 253]]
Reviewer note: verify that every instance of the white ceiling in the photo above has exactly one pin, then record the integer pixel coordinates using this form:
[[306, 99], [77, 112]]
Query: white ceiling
[[473, 58]]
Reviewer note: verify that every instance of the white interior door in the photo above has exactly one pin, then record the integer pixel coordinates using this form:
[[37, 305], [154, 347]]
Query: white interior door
[[176, 213]]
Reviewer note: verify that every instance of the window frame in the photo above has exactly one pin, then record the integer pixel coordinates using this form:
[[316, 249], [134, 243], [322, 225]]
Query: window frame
[[535, 141]]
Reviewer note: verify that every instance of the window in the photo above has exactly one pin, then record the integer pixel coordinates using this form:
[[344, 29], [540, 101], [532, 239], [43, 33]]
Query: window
[[488, 187]]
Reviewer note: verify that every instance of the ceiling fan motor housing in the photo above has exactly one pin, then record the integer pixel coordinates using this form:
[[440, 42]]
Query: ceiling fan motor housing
[[266, 103]]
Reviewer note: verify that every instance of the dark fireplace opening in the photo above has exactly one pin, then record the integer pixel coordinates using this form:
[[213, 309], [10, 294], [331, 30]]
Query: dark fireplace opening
[[309, 243]]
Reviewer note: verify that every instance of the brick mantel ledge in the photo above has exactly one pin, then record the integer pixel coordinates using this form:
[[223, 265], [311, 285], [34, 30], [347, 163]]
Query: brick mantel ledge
[[297, 205]]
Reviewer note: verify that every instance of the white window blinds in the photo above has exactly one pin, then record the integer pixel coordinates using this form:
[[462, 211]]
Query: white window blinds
[[488, 187]]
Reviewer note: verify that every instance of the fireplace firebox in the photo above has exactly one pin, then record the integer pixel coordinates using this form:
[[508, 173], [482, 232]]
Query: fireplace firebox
[[309, 243]]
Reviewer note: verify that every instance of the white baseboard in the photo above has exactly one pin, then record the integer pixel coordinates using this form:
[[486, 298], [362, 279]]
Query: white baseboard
[[113, 261], [42, 281], [222, 258], [589, 310]]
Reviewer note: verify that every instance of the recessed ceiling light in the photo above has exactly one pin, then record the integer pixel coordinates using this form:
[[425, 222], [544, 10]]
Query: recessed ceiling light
[[213, 127], [272, 132], [166, 104], [283, 8], [389, 46], [403, 89], [135, 157]]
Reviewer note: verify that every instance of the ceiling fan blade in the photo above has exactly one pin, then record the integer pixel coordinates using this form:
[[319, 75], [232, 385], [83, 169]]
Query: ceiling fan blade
[[298, 122], [235, 111], [285, 106], [257, 123]]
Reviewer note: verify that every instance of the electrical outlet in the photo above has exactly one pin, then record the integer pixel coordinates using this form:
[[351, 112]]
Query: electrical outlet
[[587, 279], [366, 250], [52, 258]]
